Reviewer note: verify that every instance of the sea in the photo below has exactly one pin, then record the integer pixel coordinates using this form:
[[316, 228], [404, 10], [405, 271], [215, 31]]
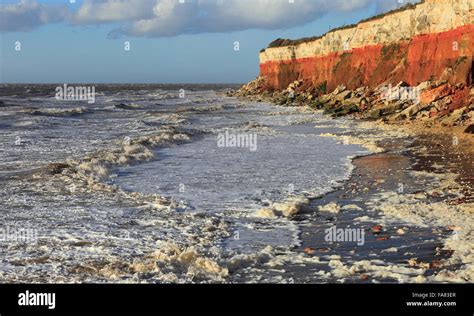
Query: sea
[[222, 160]]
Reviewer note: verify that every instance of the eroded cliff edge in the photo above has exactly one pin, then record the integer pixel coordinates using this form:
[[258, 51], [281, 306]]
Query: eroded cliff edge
[[433, 39], [410, 64]]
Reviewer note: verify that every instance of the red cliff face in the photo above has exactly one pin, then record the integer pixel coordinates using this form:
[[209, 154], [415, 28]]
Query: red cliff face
[[365, 69], [444, 55]]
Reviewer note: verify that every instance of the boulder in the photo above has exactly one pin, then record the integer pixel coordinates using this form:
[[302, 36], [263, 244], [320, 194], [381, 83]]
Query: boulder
[[435, 94], [339, 89], [361, 91], [375, 114], [325, 98], [332, 103], [469, 129], [56, 168], [330, 107], [346, 94], [453, 118], [413, 109], [352, 101], [393, 108], [433, 112], [424, 85], [364, 104], [402, 84], [345, 110]]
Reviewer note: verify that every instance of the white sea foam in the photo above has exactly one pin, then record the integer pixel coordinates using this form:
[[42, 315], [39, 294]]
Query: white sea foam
[[147, 195]]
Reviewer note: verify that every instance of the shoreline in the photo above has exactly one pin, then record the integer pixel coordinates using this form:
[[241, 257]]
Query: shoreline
[[424, 246], [399, 246], [436, 171], [190, 242]]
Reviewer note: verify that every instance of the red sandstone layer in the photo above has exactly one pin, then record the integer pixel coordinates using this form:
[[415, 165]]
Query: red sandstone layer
[[446, 55]]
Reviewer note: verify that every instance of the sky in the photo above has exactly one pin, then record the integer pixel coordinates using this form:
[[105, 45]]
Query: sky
[[158, 41]]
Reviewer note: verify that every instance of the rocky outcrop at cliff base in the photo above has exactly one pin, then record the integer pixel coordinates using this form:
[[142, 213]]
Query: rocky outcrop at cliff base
[[431, 102]]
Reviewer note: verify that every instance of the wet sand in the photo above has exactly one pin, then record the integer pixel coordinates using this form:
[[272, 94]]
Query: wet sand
[[395, 250], [385, 172]]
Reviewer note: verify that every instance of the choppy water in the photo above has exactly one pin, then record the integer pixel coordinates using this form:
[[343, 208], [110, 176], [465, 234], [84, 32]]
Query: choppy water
[[225, 184]]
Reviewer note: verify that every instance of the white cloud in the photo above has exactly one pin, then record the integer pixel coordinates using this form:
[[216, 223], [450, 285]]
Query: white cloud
[[106, 11], [27, 15], [159, 18], [197, 16]]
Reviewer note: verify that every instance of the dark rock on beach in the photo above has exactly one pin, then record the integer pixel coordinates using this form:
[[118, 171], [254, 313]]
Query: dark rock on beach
[[57, 168], [469, 129]]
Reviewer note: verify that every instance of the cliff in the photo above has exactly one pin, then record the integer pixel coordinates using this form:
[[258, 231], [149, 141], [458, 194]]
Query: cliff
[[430, 40], [411, 64]]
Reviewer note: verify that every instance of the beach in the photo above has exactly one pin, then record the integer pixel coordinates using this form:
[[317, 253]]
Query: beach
[[138, 186], [407, 240], [148, 186]]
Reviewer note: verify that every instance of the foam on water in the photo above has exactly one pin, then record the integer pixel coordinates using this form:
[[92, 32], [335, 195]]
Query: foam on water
[[97, 232]]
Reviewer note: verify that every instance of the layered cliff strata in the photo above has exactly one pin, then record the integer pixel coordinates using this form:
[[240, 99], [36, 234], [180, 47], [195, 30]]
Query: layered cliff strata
[[430, 40]]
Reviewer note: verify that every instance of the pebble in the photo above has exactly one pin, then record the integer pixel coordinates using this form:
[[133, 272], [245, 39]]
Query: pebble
[[377, 229], [401, 231]]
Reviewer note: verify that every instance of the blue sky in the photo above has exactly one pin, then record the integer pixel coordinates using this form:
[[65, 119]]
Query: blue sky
[[72, 43]]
